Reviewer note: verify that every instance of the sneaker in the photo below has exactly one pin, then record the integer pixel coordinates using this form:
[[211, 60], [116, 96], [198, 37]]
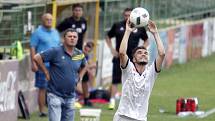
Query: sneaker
[[42, 114], [111, 104]]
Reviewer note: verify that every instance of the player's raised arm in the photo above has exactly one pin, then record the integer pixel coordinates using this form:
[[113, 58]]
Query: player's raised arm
[[160, 48], [124, 44]]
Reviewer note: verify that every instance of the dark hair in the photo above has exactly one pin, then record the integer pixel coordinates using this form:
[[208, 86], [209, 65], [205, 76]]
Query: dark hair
[[90, 44], [76, 5], [69, 30], [127, 9], [137, 48]]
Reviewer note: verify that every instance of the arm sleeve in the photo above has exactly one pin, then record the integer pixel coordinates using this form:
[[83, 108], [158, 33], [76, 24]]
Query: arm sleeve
[[48, 55], [112, 33], [126, 71], [85, 22], [127, 68], [58, 38], [83, 63], [153, 74], [34, 40]]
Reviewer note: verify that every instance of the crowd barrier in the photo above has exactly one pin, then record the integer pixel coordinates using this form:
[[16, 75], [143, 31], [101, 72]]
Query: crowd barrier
[[16, 76]]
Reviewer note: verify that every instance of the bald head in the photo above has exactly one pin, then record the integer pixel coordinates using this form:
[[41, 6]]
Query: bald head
[[47, 20]]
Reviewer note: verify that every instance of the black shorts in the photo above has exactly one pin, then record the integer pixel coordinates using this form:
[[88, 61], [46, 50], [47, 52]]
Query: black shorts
[[116, 72], [85, 77]]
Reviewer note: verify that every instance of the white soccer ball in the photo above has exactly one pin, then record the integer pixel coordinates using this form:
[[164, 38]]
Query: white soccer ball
[[139, 17]]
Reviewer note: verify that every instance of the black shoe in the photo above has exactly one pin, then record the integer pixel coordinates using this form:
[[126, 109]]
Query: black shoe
[[87, 103], [42, 115]]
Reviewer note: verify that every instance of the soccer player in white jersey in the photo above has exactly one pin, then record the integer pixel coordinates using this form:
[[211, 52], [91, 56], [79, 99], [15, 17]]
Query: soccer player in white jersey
[[138, 77]]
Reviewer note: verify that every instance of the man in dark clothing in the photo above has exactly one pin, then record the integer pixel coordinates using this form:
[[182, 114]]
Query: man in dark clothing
[[77, 22], [117, 31]]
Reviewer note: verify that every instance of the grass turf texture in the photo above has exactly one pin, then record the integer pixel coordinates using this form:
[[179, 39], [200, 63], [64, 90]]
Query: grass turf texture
[[193, 79]]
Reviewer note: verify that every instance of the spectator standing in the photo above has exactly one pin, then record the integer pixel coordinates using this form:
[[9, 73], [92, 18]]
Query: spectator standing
[[43, 38], [77, 22]]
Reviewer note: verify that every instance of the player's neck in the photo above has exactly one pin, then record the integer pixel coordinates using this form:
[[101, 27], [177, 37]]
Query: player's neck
[[77, 18], [48, 28], [140, 68], [69, 50]]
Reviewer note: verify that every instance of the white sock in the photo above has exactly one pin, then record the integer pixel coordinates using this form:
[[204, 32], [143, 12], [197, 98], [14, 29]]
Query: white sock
[[112, 100]]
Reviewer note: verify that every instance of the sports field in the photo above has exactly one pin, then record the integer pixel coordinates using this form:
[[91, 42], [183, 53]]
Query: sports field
[[194, 79]]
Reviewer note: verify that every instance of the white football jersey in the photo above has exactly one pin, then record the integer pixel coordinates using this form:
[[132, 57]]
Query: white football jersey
[[136, 89]]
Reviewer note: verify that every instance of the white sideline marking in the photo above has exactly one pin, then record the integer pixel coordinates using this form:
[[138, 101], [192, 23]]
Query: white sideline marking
[[207, 113]]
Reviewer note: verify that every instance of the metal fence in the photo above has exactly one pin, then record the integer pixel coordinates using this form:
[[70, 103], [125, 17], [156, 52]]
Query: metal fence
[[14, 23], [14, 17], [165, 12]]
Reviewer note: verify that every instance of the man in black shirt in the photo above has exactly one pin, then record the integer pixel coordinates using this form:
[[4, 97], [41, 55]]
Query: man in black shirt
[[77, 22], [117, 31]]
